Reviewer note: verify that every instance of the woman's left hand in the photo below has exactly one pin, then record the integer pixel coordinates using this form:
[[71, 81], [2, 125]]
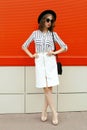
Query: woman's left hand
[[50, 53]]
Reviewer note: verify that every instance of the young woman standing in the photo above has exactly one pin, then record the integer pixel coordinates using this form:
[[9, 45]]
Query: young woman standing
[[45, 59]]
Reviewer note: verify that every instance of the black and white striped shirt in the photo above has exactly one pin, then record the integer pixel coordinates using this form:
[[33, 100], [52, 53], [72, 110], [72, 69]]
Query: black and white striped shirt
[[44, 41]]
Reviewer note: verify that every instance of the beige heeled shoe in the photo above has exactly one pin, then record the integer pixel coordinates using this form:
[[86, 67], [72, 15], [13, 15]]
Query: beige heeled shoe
[[55, 122], [44, 117]]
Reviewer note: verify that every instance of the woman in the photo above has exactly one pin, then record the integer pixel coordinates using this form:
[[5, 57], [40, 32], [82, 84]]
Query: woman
[[45, 59]]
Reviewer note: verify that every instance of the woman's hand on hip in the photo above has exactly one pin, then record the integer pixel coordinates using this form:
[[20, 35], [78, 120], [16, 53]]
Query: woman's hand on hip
[[35, 55], [50, 53]]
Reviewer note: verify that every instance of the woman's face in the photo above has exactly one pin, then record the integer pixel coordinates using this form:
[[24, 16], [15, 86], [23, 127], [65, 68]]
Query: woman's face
[[48, 21]]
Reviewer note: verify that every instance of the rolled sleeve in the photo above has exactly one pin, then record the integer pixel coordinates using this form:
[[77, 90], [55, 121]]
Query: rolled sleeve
[[28, 41], [59, 41]]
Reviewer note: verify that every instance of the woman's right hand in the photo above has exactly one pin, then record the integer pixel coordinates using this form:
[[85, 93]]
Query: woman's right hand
[[35, 55], [30, 54]]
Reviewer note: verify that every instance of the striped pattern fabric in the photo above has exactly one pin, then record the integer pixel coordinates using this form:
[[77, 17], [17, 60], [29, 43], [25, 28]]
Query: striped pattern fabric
[[44, 41]]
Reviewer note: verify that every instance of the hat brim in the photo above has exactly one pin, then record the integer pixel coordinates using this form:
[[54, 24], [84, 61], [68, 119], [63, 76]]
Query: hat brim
[[46, 12]]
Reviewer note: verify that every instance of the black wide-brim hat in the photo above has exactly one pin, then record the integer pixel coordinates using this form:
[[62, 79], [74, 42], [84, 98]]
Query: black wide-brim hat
[[46, 12]]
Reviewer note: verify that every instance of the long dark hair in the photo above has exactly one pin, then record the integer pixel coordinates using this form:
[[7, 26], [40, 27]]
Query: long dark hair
[[42, 22]]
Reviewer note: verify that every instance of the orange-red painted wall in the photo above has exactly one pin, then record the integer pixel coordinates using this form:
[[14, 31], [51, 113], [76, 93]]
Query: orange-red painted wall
[[18, 18]]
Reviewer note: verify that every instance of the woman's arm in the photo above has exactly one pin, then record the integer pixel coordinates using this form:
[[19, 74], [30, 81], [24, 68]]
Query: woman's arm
[[63, 46], [26, 44], [59, 51], [56, 52], [29, 53]]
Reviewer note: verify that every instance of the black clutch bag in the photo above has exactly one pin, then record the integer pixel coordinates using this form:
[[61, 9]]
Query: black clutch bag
[[59, 68]]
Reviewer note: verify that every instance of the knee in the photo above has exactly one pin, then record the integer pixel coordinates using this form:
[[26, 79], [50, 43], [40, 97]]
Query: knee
[[48, 89]]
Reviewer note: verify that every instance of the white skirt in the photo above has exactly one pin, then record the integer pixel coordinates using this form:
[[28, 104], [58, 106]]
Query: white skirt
[[46, 71]]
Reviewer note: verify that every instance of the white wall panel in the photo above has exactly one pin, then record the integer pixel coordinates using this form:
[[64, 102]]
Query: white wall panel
[[72, 102], [11, 79], [11, 103], [74, 79]]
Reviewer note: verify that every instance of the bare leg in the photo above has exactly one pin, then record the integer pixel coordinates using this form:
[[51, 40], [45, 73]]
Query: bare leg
[[48, 93], [44, 111]]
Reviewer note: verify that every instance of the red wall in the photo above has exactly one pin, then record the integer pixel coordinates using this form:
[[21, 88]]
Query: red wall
[[18, 18]]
